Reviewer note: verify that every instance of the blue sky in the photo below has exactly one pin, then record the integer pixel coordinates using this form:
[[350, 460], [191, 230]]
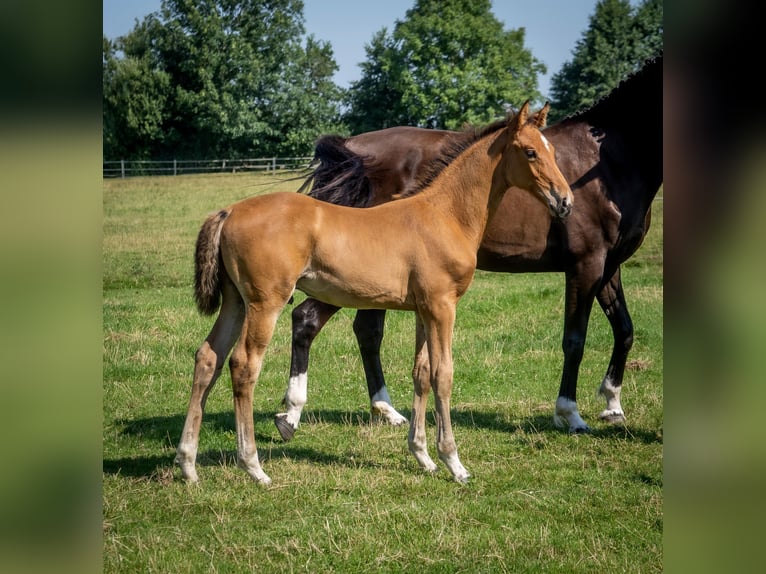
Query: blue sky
[[552, 26]]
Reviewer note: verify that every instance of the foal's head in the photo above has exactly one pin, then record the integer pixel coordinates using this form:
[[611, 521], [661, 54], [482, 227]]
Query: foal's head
[[531, 164]]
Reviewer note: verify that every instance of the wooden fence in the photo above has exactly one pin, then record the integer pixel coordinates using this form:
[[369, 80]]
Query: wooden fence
[[128, 168]]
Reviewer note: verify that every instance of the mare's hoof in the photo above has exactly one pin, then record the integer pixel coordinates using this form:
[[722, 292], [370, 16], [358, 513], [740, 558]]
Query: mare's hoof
[[614, 418], [579, 430], [286, 430], [389, 414]]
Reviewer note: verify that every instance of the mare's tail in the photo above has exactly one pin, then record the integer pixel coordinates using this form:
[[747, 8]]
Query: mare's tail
[[341, 176], [207, 264]]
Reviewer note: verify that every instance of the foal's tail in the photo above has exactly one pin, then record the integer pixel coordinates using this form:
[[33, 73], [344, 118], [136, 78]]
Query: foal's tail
[[341, 177], [207, 264]]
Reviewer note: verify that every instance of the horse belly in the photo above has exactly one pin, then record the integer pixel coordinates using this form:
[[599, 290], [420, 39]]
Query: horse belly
[[355, 290]]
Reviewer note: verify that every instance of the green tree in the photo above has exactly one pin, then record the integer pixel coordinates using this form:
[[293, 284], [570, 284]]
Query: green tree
[[375, 100], [447, 63], [237, 78], [617, 42], [135, 98], [648, 21]]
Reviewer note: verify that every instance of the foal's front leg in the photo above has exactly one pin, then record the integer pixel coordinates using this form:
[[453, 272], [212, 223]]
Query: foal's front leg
[[438, 328]]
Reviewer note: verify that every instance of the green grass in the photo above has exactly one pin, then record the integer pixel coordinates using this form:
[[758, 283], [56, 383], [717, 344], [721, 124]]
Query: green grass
[[347, 495]]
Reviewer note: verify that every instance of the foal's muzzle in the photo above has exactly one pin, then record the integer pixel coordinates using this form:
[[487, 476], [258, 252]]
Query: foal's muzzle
[[560, 206]]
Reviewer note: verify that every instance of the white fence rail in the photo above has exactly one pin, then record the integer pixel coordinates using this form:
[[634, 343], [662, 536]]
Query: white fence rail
[[128, 168]]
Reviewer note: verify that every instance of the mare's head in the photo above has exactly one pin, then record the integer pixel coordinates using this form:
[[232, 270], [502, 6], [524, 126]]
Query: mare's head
[[530, 161]]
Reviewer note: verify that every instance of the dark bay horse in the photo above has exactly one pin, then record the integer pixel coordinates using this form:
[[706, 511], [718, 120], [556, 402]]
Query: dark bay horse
[[611, 155], [416, 254]]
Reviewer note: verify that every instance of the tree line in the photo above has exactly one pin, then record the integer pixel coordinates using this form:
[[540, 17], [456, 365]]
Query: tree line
[[241, 78]]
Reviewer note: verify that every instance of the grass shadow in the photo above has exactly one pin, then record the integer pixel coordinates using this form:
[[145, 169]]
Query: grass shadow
[[167, 430]]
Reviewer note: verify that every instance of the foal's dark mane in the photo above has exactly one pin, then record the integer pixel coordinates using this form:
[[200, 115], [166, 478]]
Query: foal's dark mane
[[456, 145]]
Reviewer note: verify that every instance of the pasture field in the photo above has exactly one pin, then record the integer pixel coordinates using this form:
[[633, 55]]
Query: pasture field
[[347, 495]]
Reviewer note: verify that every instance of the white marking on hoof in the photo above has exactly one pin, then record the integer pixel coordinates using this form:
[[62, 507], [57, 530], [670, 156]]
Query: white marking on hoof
[[189, 474], [185, 458], [420, 453], [613, 412], [253, 468], [459, 473], [388, 413], [612, 416], [295, 399], [566, 414]]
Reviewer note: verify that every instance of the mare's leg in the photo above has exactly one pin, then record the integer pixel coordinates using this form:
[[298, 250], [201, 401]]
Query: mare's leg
[[245, 363], [421, 380], [612, 301], [580, 292], [207, 368], [439, 321], [308, 319], [368, 328]]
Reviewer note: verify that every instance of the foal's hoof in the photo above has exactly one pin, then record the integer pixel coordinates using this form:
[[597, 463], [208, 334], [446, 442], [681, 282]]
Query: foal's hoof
[[286, 430]]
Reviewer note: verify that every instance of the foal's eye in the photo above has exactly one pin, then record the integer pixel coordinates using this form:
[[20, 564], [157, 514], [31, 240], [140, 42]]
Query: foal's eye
[[531, 154]]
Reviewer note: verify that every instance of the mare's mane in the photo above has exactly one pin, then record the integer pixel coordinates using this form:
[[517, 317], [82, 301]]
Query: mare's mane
[[612, 106]]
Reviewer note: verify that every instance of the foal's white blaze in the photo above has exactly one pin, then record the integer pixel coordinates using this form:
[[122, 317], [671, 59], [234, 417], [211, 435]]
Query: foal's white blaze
[[545, 142], [295, 398], [566, 413]]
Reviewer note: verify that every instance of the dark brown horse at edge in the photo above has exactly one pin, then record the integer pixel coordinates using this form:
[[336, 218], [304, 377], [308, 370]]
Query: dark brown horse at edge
[[611, 155], [251, 257]]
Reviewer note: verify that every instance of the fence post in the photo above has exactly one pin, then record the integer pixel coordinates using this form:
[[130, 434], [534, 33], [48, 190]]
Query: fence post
[[175, 167], [122, 168], [273, 164]]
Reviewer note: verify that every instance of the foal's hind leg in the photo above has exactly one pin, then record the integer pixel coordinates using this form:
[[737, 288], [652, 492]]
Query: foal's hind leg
[[245, 363], [207, 368], [308, 319], [612, 301]]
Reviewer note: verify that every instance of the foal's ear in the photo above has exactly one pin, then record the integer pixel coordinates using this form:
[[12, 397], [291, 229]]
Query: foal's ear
[[520, 118], [541, 117]]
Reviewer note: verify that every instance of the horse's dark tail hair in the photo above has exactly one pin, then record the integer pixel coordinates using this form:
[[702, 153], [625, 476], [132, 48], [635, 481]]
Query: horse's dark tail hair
[[340, 177], [207, 264]]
